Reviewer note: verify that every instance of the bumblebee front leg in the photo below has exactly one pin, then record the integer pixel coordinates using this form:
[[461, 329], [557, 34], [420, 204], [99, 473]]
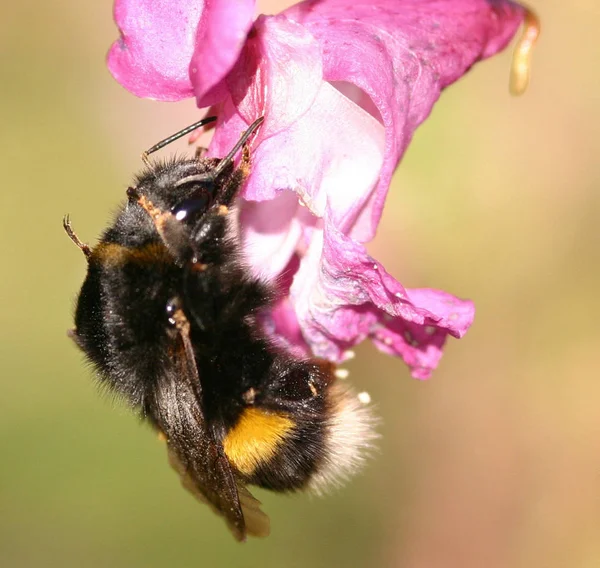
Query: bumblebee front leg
[[235, 181], [174, 235], [210, 231], [208, 237]]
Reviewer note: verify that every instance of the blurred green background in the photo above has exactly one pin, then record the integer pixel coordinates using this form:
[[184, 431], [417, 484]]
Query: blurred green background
[[494, 462]]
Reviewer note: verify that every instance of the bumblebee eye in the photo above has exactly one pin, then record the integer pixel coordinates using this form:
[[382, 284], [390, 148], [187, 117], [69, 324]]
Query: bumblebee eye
[[173, 305], [193, 207]]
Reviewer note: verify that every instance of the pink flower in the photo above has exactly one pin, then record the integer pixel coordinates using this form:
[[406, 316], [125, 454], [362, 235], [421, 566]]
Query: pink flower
[[342, 85]]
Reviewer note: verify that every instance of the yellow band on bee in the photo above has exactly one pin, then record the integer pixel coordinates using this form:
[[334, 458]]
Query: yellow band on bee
[[255, 438], [114, 255]]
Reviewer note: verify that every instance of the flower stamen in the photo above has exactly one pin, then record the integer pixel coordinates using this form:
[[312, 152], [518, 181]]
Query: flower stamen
[[520, 70]]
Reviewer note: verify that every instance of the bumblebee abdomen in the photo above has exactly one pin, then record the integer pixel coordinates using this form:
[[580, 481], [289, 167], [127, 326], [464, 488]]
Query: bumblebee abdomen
[[256, 439], [315, 443], [273, 450]]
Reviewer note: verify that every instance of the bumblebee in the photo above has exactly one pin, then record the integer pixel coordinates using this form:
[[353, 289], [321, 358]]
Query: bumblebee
[[169, 316]]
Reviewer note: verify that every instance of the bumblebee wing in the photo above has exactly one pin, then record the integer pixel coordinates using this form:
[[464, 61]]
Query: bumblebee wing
[[208, 476], [257, 521], [252, 521], [193, 450]]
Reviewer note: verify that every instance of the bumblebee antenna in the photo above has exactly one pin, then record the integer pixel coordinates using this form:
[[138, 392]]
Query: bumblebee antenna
[[176, 136], [227, 159], [214, 174]]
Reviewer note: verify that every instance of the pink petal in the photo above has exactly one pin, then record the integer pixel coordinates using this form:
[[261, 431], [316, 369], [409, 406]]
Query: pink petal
[[270, 233], [282, 326], [332, 154], [402, 53], [152, 56], [219, 40], [162, 43], [341, 296], [281, 323], [420, 346], [278, 74], [445, 310]]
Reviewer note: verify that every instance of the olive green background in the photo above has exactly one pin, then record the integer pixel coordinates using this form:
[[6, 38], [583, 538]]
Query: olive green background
[[494, 462]]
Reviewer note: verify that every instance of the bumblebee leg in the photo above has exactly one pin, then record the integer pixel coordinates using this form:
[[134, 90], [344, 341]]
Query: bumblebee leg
[[235, 181], [85, 249], [208, 236], [173, 234], [155, 213], [209, 233]]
